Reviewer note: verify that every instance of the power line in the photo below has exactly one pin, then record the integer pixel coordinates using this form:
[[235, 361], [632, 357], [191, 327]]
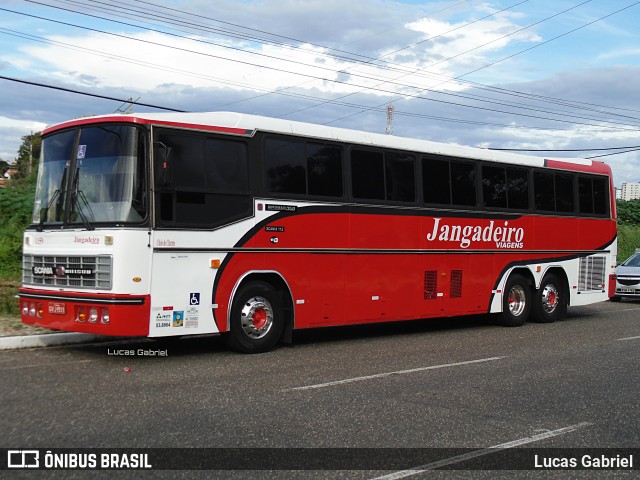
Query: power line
[[364, 87], [615, 153], [560, 150], [95, 95], [131, 102], [369, 88], [515, 54]]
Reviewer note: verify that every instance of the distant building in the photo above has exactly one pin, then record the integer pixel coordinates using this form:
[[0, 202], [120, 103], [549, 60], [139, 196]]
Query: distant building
[[7, 176], [630, 191]]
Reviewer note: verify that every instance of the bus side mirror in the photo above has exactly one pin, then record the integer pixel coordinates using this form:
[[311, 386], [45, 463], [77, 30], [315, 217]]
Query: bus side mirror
[[162, 156]]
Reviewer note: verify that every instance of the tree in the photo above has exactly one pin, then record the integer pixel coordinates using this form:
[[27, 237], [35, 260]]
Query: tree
[[628, 212], [28, 154]]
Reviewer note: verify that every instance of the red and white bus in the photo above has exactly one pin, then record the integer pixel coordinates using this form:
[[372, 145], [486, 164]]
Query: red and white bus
[[191, 223]]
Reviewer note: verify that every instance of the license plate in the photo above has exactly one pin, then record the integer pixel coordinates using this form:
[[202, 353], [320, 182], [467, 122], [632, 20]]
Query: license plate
[[57, 308], [627, 290]]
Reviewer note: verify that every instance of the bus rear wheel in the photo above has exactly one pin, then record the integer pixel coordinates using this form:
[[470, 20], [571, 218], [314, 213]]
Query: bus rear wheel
[[257, 319], [516, 302], [550, 303]]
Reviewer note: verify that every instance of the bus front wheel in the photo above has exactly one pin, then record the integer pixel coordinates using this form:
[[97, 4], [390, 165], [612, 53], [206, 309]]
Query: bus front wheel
[[257, 318], [516, 302]]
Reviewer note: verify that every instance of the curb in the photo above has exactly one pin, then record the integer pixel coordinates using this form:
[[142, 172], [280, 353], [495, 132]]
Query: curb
[[47, 340]]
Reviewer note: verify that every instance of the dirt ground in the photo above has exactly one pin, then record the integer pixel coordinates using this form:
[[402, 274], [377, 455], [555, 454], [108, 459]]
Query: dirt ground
[[10, 326]]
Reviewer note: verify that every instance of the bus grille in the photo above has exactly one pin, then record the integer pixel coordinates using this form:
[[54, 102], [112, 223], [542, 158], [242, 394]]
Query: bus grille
[[592, 274], [94, 272]]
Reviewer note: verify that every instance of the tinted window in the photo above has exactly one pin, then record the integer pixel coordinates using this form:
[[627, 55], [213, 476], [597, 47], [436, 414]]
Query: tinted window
[[299, 167], [463, 183], [585, 195], [494, 186], [543, 186], [226, 166], [600, 196], [208, 181], [436, 181], [367, 175], [505, 187], [554, 192], [400, 184], [564, 192], [592, 195], [324, 167], [383, 176], [286, 166], [518, 188], [447, 182]]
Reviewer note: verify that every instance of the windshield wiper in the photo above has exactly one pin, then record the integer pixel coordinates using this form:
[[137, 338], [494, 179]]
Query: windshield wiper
[[44, 213], [76, 206]]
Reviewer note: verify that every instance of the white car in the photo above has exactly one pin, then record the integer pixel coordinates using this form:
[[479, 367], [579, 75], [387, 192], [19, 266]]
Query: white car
[[628, 278]]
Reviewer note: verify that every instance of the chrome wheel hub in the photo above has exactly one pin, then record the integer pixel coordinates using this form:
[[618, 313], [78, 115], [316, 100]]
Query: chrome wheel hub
[[256, 317], [550, 298], [517, 300]]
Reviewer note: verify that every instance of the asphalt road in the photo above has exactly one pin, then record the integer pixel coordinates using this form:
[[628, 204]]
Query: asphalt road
[[460, 384]]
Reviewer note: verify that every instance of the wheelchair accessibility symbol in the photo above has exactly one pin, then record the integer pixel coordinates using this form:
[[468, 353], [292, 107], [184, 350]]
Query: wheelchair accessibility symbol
[[194, 298]]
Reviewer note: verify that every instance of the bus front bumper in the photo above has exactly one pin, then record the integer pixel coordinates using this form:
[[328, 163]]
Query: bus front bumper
[[104, 314]]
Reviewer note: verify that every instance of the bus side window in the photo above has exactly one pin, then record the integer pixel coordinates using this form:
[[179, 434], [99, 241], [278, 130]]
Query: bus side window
[[303, 168], [367, 175], [449, 182], [544, 193], [436, 183], [209, 181], [592, 195], [564, 192]]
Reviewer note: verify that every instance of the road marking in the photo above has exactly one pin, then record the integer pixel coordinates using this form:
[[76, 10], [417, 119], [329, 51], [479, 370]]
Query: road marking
[[630, 338], [388, 374], [485, 451]]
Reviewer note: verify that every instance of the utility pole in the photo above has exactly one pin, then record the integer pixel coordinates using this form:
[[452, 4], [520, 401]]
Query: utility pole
[[389, 129], [30, 166], [129, 109]]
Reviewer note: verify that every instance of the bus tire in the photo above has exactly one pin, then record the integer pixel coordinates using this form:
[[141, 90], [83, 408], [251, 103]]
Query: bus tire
[[516, 301], [257, 318], [550, 303]]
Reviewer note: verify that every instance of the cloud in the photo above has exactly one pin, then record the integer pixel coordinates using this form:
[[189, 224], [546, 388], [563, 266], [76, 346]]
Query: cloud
[[11, 128], [311, 81]]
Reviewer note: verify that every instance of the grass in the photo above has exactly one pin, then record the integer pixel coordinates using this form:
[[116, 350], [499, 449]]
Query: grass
[[10, 323]]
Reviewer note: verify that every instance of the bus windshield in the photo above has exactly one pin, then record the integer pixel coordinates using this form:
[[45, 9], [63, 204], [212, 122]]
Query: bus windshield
[[92, 175]]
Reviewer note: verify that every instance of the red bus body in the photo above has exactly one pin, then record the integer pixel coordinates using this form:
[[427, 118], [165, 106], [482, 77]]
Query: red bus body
[[314, 261]]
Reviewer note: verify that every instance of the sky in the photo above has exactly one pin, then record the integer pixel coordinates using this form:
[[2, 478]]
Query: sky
[[509, 74]]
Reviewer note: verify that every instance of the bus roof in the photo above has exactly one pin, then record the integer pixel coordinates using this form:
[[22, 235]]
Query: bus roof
[[248, 125]]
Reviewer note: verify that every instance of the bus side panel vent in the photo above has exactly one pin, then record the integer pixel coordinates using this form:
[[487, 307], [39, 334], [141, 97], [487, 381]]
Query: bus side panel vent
[[592, 274], [430, 284], [456, 284]]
